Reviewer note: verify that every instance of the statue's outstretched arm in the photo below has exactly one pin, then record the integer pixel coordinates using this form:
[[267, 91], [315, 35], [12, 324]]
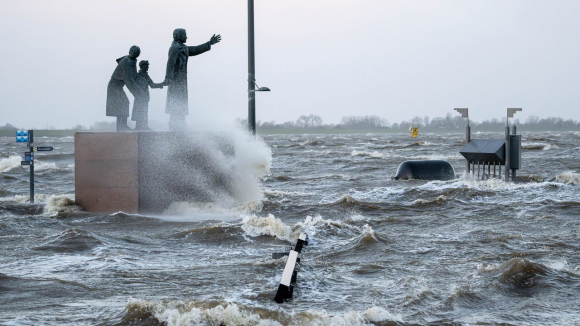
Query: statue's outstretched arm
[[199, 49], [195, 50]]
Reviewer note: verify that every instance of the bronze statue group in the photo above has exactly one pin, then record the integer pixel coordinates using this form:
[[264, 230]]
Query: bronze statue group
[[138, 83]]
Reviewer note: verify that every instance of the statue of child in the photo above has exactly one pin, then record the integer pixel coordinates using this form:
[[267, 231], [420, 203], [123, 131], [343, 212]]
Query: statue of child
[[141, 103]]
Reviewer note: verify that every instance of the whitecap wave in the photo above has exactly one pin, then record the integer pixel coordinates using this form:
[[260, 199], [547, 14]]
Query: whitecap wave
[[311, 223], [374, 154], [256, 226], [378, 314], [437, 157], [568, 177], [439, 199], [40, 166], [192, 313], [60, 205], [368, 234], [538, 146], [9, 163], [280, 193], [191, 211]]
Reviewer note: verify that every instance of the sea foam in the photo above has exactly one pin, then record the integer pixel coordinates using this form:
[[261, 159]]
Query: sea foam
[[270, 225], [9, 163], [569, 177], [193, 313]]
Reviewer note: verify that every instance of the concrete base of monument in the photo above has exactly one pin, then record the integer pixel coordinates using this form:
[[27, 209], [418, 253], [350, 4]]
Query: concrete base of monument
[[144, 172]]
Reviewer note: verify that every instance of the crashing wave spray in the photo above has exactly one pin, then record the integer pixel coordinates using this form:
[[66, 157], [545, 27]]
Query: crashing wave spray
[[222, 168]]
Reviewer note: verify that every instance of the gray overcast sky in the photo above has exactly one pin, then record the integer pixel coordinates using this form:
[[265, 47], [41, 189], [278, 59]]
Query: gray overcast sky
[[394, 59]]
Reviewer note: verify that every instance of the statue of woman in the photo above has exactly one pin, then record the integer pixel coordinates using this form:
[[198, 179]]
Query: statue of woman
[[124, 74]]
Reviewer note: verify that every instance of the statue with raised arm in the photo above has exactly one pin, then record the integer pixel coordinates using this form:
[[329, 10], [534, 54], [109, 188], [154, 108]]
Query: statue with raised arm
[[176, 76], [125, 74]]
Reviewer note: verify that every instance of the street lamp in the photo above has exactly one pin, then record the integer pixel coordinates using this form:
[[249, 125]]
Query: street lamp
[[508, 151], [252, 86], [465, 114]]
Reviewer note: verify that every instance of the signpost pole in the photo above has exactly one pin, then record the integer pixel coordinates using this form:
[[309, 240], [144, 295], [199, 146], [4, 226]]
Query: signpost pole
[[28, 138], [32, 182], [30, 141]]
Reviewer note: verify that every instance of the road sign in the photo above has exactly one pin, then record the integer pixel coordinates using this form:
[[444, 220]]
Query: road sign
[[27, 136], [44, 149], [512, 111], [22, 136]]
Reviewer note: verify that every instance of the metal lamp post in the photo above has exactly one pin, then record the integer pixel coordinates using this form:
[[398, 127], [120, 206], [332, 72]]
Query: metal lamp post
[[465, 114], [508, 163], [252, 72]]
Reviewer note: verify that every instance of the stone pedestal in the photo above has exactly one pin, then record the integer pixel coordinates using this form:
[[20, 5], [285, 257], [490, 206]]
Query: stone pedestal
[[144, 172]]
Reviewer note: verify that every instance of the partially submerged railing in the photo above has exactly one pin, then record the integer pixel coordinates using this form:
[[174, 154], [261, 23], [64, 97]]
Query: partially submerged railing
[[493, 152]]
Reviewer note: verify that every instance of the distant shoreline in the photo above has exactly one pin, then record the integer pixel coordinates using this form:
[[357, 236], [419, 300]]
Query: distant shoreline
[[313, 131]]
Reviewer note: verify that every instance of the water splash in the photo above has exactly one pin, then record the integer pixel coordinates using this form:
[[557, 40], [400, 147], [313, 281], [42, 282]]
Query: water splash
[[7, 164]]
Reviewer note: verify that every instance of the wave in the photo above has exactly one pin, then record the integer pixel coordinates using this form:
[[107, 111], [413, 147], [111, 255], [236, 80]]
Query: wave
[[19, 208], [470, 180], [7, 164], [40, 166], [257, 226], [374, 154], [464, 296], [191, 211], [60, 205], [199, 313], [412, 145], [208, 232], [538, 146], [369, 236], [349, 202], [12, 162], [71, 241], [280, 193], [436, 157], [310, 223], [521, 272], [49, 205], [569, 177], [311, 142], [271, 226], [438, 200]]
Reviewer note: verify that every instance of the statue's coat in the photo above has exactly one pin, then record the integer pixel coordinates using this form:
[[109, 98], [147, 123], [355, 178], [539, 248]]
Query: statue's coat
[[124, 74], [179, 54]]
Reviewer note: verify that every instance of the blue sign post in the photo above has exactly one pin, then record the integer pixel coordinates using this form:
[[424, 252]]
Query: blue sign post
[[22, 136], [27, 136]]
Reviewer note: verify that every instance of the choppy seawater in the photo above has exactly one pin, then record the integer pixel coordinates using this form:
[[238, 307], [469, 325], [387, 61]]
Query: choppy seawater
[[381, 252]]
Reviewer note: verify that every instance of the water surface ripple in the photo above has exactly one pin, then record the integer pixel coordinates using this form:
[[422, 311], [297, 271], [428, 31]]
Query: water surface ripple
[[382, 252]]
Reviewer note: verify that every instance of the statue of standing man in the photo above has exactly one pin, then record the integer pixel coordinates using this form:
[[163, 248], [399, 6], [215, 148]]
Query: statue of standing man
[[176, 76]]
